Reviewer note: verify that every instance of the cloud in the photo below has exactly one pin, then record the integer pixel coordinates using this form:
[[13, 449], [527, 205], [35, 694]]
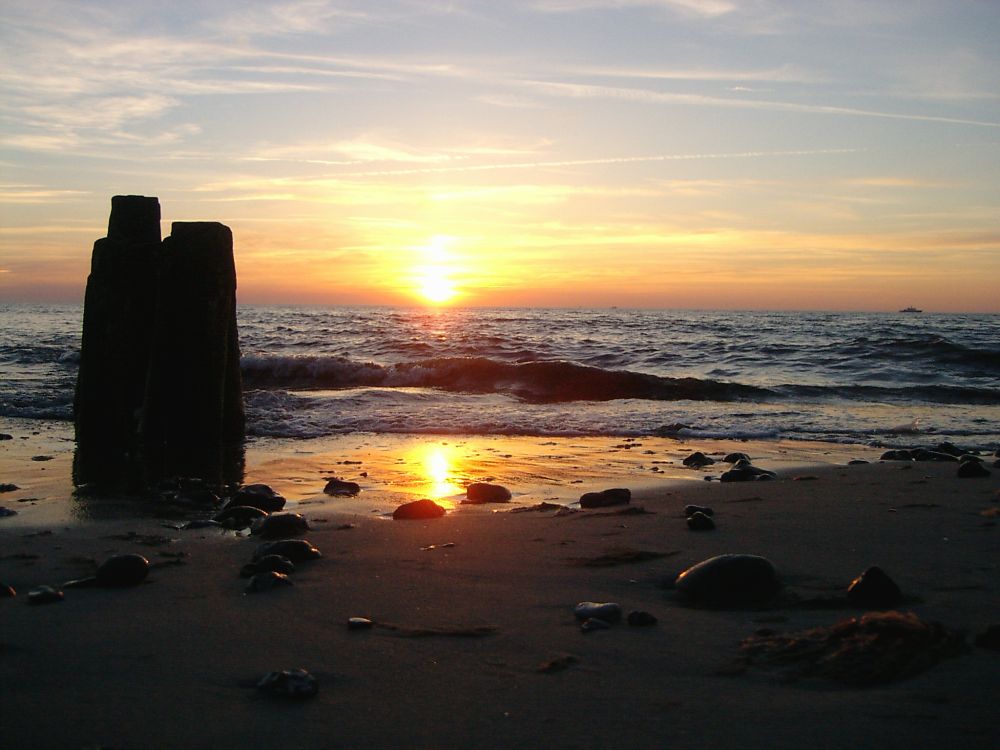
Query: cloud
[[702, 8]]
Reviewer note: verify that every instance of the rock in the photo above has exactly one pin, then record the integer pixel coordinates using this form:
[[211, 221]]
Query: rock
[[729, 581], [42, 458], [972, 470], [969, 457], [5, 436], [201, 523], [606, 611], [990, 638], [481, 492], [7, 512], [289, 683], [122, 570], [700, 522], [281, 526], [743, 471], [277, 563], [640, 619], [6, 487], [896, 455], [604, 498], [45, 595], [296, 550], [257, 496], [690, 510], [418, 510], [856, 462], [876, 648], [922, 454], [594, 623], [341, 488], [359, 623], [698, 460], [240, 516], [7, 591], [266, 581], [873, 589], [950, 448], [733, 458]]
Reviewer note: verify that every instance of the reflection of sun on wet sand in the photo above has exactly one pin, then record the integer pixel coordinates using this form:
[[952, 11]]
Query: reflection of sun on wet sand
[[473, 638]]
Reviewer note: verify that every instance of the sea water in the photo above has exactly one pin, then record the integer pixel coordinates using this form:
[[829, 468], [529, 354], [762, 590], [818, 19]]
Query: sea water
[[872, 378]]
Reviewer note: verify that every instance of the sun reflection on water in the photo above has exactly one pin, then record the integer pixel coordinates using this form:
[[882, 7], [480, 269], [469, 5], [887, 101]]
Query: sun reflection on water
[[437, 466]]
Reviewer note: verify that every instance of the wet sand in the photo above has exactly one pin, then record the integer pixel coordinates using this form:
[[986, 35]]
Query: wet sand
[[172, 663]]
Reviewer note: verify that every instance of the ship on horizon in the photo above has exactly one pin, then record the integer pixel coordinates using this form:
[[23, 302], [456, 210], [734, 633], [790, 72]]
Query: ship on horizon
[[911, 310]]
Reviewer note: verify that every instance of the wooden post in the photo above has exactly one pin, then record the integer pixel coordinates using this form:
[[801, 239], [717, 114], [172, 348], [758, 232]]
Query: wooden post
[[159, 392]]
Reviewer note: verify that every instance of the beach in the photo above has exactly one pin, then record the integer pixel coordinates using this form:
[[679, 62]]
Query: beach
[[475, 641]]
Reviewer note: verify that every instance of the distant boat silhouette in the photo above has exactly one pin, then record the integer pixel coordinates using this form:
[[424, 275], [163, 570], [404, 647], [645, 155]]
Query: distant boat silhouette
[[911, 309]]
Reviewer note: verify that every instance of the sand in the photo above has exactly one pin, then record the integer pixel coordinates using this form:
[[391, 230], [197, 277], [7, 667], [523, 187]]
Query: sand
[[172, 663]]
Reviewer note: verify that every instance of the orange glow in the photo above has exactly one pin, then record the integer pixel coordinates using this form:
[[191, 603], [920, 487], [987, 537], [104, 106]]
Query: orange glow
[[435, 466], [433, 278]]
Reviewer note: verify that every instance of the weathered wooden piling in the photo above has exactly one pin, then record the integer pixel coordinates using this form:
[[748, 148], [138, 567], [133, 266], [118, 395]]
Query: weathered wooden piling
[[159, 392]]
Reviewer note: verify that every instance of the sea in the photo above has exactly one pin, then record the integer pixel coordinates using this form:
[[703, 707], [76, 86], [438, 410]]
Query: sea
[[878, 379]]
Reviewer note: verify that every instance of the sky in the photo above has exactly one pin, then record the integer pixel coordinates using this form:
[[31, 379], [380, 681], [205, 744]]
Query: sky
[[723, 154]]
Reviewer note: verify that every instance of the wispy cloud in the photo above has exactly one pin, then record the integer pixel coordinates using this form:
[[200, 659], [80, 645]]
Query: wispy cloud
[[705, 8]]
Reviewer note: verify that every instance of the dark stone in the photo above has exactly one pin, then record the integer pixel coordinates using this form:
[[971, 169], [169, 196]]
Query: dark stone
[[698, 460], [45, 595], [240, 516], [5, 436], [481, 492], [690, 510], [873, 589], [972, 470], [122, 570], [340, 487], [7, 512], [606, 611], [896, 455], [604, 498], [289, 683], [418, 510], [990, 638], [281, 526], [267, 580], [6, 487], [700, 522], [746, 474], [277, 563], [969, 457], [856, 462], [733, 458], [639, 619], [922, 454], [258, 496], [950, 448], [359, 623], [729, 581], [296, 550]]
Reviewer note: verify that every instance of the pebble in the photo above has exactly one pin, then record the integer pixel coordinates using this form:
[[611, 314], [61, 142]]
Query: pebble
[[896, 455], [258, 496], [277, 563], [45, 595], [359, 623], [700, 522], [972, 470], [122, 570], [296, 550], [418, 510], [733, 458], [341, 487], [280, 526], [606, 611], [697, 460], [7, 487], [5, 436], [289, 683], [856, 462], [640, 619], [604, 498], [690, 510], [266, 581], [729, 581], [7, 512], [594, 623], [482, 492], [240, 516], [873, 589]]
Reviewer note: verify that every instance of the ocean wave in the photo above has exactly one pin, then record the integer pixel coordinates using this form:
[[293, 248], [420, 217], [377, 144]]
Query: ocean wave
[[537, 382]]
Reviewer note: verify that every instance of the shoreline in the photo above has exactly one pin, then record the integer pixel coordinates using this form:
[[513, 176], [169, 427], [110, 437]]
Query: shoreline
[[173, 662]]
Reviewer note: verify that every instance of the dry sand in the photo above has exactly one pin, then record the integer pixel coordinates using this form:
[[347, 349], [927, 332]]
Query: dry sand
[[172, 663]]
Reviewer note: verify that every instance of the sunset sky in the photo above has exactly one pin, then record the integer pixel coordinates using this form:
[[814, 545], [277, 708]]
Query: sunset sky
[[654, 153]]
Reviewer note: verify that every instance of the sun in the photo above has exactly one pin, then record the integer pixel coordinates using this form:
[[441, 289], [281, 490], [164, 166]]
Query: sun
[[433, 278]]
